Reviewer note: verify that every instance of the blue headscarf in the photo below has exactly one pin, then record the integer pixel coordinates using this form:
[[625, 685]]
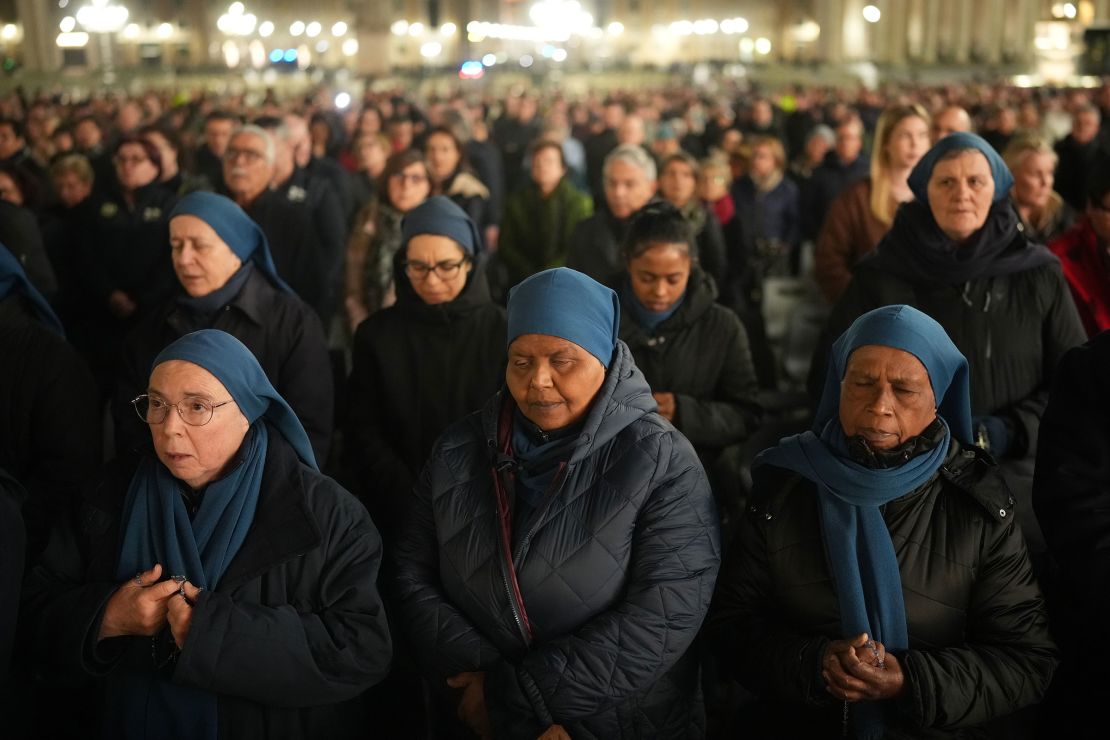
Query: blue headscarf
[[860, 553], [235, 227], [157, 528], [14, 280], [961, 140], [440, 215], [565, 303]]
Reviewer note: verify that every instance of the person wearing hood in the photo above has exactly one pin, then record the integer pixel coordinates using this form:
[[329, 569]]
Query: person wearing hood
[[220, 586], [693, 352], [432, 357], [563, 543], [957, 253], [227, 280], [879, 585]]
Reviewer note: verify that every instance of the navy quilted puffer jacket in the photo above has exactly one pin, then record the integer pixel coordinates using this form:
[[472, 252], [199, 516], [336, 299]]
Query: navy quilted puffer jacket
[[615, 575]]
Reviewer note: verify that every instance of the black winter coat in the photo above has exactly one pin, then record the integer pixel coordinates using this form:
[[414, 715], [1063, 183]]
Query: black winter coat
[[978, 628], [1071, 495], [595, 246], [615, 571], [701, 355], [416, 369], [281, 331], [288, 640]]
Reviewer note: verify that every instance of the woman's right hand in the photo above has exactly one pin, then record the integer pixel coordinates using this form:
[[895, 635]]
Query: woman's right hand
[[555, 732], [121, 305], [472, 705], [136, 609]]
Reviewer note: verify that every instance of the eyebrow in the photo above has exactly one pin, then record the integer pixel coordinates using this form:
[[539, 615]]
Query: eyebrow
[[187, 394]]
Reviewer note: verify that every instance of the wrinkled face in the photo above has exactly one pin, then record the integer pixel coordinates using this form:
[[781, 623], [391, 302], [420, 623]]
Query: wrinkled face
[[195, 455], [763, 163], [443, 156], [960, 193], [1033, 179], [9, 190], [246, 171], [547, 169], [678, 183], [217, 135], [202, 260], [659, 275], [909, 140], [885, 396], [849, 142], [71, 189], [409, 187], [133, 167], [552, 380], [627, 188], [10, 144], [1084, 126], [451, 268]]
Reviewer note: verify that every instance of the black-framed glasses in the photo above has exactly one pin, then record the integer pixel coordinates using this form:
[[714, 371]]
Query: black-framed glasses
[[445, 270], [193, 410]]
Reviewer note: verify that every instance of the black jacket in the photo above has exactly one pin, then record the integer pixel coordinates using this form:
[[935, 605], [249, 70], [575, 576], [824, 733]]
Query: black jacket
[[979, 645], [701, 355], [615, 571], [330, 221], [595, 246], [416, 369], [12, 543], [281, 331], [290, 637]]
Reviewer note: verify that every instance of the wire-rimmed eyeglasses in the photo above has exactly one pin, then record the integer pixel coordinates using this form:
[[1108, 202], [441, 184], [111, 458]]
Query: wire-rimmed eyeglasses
[[193, 410]]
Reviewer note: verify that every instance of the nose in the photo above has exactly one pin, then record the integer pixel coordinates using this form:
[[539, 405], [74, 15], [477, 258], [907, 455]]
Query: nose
[[173, 425], [881, 402], [541, 378]]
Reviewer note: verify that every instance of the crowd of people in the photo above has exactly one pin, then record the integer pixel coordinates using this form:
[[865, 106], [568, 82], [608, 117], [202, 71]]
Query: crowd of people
[[456, 417]]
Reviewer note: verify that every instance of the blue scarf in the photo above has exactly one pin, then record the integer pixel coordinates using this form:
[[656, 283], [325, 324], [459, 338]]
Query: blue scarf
[[648, 320], [14, 280], [157, 529], [859, 550], [960, 141]]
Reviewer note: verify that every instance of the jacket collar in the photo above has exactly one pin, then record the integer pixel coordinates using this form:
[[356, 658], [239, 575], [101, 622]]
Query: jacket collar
[[251, 301]]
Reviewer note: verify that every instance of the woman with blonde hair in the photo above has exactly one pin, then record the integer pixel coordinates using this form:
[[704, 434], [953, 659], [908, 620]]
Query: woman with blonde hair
[[1042, 211], [862, 214]]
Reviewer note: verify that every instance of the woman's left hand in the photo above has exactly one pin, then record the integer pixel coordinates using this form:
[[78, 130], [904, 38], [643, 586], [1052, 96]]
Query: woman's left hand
[[180, 612], [555, 732]]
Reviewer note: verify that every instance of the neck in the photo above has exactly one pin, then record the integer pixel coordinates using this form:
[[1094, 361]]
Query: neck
[[899, 184]]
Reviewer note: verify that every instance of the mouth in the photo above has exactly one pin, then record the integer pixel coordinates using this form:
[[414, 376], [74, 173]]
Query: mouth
[[657, 306], [175, 458], [876, 436], [544, 406]]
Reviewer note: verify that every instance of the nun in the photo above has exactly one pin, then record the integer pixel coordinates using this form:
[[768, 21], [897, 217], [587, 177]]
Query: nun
[[563, 542], [879, 582], [227, 281], [225, 587], [431, 358]]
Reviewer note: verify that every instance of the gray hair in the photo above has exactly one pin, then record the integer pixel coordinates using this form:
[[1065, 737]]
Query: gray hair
[[261, 133], [634, 155]]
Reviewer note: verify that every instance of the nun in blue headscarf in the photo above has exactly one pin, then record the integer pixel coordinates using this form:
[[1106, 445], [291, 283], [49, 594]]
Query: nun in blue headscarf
[[231, 587], [563, 541], [228, 282], [879, 585]]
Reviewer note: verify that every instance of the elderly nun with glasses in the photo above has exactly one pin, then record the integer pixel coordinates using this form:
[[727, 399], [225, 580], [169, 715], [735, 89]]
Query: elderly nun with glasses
[[879, 585], [420, 364], [227, 588]]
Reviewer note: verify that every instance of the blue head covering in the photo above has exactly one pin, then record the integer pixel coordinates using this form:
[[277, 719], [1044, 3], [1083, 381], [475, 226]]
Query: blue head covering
[[235, 227], [440, 215], [157, 527], [961, 140], [14, 280], [564, 303], [860, 553]]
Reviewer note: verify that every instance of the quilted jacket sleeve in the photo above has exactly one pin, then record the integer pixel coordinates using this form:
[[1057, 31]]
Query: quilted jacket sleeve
[[1008, 657], [623, 651]]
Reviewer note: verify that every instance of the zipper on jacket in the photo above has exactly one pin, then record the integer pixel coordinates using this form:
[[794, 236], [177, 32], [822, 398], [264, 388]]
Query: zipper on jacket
[[553, 491]]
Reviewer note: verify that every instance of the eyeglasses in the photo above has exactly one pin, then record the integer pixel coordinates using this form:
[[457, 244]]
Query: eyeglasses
[[251, 155], [402, 178], [130, 160], [193, 411], [444, 270]]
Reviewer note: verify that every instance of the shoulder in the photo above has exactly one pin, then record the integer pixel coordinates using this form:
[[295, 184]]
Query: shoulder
[[337, 512], [975, 477]]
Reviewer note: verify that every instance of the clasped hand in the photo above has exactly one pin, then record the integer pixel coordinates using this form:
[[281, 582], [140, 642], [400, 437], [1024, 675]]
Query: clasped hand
[[144, 605], [858, 669]]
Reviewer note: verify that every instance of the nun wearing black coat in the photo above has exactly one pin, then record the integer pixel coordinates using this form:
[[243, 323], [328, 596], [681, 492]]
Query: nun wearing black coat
[[563, 543]]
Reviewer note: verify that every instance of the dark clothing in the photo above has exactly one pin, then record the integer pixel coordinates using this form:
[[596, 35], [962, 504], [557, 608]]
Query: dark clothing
[[829, 180], [486, 161], [50, 421], [768, 222], [595, 246], [330, 223], [1071, 495], [278, 328], [536, 231], [513, 137], [326, 169], [712, 249], [209, 166], [1073, 169], [416, 368], [615, 569], [598, 147], [979, 644], [12, 544], [20, 233], [289, 638]]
